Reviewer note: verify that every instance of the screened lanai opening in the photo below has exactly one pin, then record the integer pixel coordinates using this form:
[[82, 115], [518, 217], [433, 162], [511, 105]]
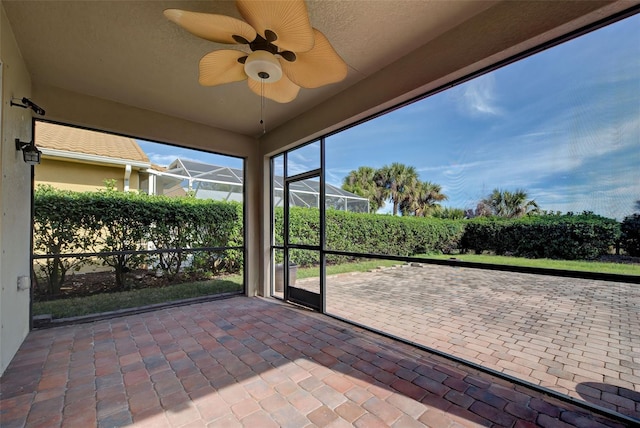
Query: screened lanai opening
[[114, 230], [505, 212]]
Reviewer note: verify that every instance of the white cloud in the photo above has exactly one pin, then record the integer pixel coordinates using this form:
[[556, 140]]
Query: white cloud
[[457, 168], [478, 96], [304, 159], [294, 168], [162, 160], [597, 153], [535, 134], [335, 176], [554, 152], [614, 199]]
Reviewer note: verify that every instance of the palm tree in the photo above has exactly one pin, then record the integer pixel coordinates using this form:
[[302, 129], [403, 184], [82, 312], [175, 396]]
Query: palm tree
[[362, 182], [518, 205], [423, 201], [396, 182], [504, 203], [451, 213]]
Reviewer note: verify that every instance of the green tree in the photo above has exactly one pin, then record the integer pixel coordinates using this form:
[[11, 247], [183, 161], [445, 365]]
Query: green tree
[[450, 213], [504, 203], [362, 182], [396, 181], [423, 200]]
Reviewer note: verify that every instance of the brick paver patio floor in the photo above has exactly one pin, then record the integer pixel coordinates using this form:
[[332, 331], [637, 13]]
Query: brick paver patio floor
[[255, 363], [574, 336]]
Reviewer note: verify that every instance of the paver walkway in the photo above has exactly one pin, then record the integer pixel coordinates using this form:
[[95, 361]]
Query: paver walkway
[[255, 363], [577, 337]]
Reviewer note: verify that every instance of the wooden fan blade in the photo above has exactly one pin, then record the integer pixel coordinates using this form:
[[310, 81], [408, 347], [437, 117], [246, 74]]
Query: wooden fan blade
[[282, 91], [288, 19], [217, 28], [220, 67], [318, 67]]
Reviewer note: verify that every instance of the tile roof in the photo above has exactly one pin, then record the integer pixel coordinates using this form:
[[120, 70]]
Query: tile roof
[[78, 140], [157, 167]]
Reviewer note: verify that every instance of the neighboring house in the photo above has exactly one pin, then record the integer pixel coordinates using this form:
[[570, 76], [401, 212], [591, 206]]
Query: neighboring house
[[81, 160]]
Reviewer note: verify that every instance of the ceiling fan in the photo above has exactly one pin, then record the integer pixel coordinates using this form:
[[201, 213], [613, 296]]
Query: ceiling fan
[[286, 52]]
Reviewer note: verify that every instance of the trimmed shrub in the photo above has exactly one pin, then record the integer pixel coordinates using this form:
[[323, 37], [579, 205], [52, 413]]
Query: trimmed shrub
[[368, 233], [630, 238], [569, 237], [119, 222], [110, 221], [59, 217]]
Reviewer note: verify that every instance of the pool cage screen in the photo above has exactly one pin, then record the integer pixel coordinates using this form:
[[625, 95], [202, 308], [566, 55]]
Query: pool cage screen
[[222, 183]]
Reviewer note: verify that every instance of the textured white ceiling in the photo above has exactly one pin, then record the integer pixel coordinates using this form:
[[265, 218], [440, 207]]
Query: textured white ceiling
[[126, 51]]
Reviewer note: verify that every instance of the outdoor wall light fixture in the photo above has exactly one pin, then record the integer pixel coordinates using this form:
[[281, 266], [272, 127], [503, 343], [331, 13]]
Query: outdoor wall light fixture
[[30, 152], [27, 103]]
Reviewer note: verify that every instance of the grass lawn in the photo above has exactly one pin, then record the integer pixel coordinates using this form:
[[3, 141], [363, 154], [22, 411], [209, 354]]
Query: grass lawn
[[578, 265], [77, 306], [130, 299], [106, 302], [363, 266]]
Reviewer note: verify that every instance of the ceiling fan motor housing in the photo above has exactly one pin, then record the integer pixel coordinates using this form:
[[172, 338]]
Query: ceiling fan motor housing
[[263, 66]]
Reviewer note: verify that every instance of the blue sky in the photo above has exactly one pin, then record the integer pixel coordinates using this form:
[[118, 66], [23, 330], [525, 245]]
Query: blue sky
[[162, 154], [564, 125]]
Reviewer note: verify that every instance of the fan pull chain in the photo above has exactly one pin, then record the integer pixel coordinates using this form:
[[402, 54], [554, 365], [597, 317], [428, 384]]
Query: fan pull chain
[[264, 130]]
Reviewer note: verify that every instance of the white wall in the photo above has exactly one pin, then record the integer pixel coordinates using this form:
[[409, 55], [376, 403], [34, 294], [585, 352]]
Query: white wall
[[15, 197]]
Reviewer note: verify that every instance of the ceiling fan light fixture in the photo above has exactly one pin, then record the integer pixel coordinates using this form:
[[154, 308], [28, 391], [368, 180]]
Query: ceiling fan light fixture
[[286, 51], [263, 66]]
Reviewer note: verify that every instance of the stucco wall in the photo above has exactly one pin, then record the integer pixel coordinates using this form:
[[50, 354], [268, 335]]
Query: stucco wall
[[81, 177], [15, 198]]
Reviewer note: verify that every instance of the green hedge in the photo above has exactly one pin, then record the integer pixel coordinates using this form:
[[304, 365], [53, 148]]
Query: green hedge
[[368, 233], [567, 237], [631, 235], [72, 222], [107, 221]]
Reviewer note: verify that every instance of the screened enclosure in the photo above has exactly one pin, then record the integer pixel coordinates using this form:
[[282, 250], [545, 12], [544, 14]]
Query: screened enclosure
[[559, 128], [222, 183], [306, 193], [206, 181]]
